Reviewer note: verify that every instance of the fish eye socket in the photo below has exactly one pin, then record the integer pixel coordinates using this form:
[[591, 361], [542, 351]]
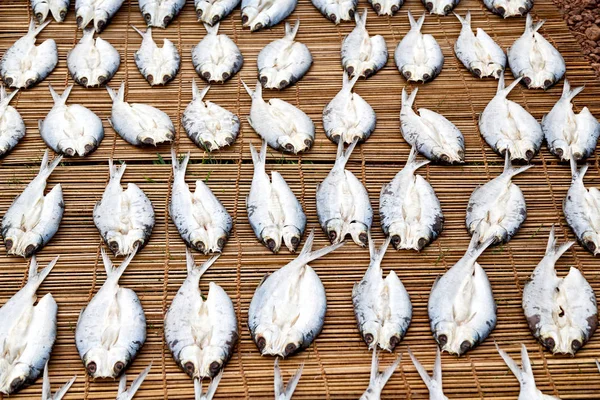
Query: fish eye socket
[[590, 245], [39, 16], [290, 348], [529, 154], [295, 241], [16, 384], [215, 367], [29, 83], [332, 235], [447, 9], [101, 79], [394, 341], [189, 367], [91, 368], [368, 338], [63, 14], [221, 242], [465, 346], [422, 243], [261, 343], [119, 366], [167, 19], [442, 340], [576, 345], [84, 81], [148, 17], [549, 343], [166, 78]]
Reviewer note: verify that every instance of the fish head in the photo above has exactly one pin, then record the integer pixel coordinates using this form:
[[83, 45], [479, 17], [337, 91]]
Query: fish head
[[59, 10], [591, 241], [541, 80], [523, 149], [370, 332], [14, 243], [166, 13], [159, 74], [271, 237], [452, 153], [418, 72], [386, 7], [202, 363], [249, 13], [40, 11], [292, 237], [84, 15], [484, 69], [215, 73], [403, 238], [210, 13], [219, 240], [101, 18], [456, 339], [511, 8], [333, 229], [278, 341], [260, 21], [439, 7], [26, 78], [102, 363], [359, 233], [297, 143], [16, 377], [271, 78], [390, 336], [156, 136]]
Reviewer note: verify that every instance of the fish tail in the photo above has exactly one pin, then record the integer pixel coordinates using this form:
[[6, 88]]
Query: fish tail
[[116, 171], [212, 388], [552, 250], [416, 24], [33, 30], [420, 369], [135, 385], [179, 168], [412, 160], [342, 157], [466, 21], [508, 168], [191, 264], [408, 100], [569, 94], [380, 379], [577, 175], [47, 167], [62, 98], [307, 255], [377, 255], [37, 277], [475, 249], [117, 96], [288, 391], [142, 34], [361, 19], [6, 98], [60, 393], [293, 382], [534, 27], [348, 84], [259, 158], [212, 30], [290, 33], [196, 94], [115, 273]]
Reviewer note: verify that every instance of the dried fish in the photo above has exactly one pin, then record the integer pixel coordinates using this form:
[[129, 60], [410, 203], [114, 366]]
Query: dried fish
[[216, 58], [159, 65], [93, 62], [42, 8], [259, 14], [336, 10], [362, 54], [160, 13], [12, 127], [434, 382], [377, 380], [96, 12]]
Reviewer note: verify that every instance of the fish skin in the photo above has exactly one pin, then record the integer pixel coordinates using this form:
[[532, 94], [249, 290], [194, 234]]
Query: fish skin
[[96, 12], [440, 7], [287, 310], [283, 126], [284, 61], [410, 212], [418, 56], [478, 52], [524, 375], [336, 10], [362, 54], [386, 7], [111, 328], [24, 64], [281, 392], [93, 62], [562, 313], [211, 12], [274, 212], [42, 8], [434, 382], [124, 218], [348, 116], [461, 306], [202, 221], [139, 124], [382, 307], [158, 65], [70, 130], [212, 388], [12, 127], [259, 14], [201, 333], [128, 394], [506, 125], [28, 332], [32, 219], [581, 208], [47, 390], [534, 59], [509, 8], [343, 204], [378, 380], [216, 58], [160, 13], [209, 125], [497, 209], [569, 134], [433, 135]]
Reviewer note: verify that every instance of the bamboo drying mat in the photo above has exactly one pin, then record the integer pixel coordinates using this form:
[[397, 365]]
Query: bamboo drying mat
[[337, 365]]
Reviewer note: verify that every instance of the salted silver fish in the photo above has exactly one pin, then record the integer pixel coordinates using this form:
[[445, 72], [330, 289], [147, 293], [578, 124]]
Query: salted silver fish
[[124, 218], [382, 307], [12, 127], [582, 210], [410, 212], [362, 54], [524, 375], [98, 13], [258, 14], [93, 62], [287, 310], [434, 382], [111, 328], [160, 13], [201, 332], [284, 61], [28, 332], [569, 134], [507, 127], [216, 58], [343, 204], [562, 313], [509, 8], [47, 390], [336, 10], [377, 380], [283, 126], [386, 7], [274, 212], [212, 388], [42, 8], [440, 7], [209, 125], [202, 221], [139, 124], [128, 394], [418, 56], [70, 130], [212, 11], [24, 64], [32, 219], [281, 392], [158, 65], [478, 52], [432, 134], [461, 307], [348, 117], [534, 59], [497, 209]]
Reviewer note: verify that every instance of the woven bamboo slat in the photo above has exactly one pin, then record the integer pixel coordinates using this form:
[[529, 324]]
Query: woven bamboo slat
[[337, 365]]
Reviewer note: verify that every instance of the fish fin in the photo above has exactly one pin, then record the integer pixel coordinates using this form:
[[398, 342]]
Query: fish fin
[[198, 95], [421, 370], [2, 92], [122, 385], [307, 255], [466, 21], [552, 250], [142, 34], [179, 168], [278, 380], [47, 167], [526, 363], [36, 31], [198, 389], [135, 385], [191, 264], [569, 94], [248, 90], [116, 171], [437, 368], [115, 273], [412, 159], [259, 159], [38, 277], [212, 30], [60, 393], [342, 156], [293, 382], [508, 168], [290, 33], [46, 391]]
